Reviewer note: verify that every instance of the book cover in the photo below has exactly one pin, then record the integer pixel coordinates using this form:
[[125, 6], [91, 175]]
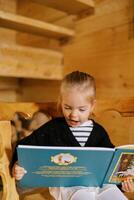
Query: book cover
[[63, 166], [122, 165]]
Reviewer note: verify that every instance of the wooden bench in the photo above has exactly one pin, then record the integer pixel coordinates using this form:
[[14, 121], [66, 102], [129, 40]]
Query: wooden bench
[[117, 116]]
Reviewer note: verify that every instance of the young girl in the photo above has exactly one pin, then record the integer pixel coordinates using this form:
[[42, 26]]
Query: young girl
[[76, 101]]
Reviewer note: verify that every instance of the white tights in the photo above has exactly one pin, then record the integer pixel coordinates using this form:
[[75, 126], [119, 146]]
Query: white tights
[[108, 192], [73, 193]]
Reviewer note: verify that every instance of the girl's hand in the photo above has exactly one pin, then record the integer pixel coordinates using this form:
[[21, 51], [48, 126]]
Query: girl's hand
[[128, 185], [18, 172]]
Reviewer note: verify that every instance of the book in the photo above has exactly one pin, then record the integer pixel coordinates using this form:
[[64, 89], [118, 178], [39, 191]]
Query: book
[[106, 193], [74, 166], [122, 165], [111, 193]]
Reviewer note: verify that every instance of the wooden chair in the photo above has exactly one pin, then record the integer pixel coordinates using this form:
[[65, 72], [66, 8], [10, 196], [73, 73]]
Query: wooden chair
[[117, 116], [7, 111], [9, 187]]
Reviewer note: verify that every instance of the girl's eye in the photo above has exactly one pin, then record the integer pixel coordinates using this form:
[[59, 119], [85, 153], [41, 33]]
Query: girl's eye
[[82, 110], [67, 108]]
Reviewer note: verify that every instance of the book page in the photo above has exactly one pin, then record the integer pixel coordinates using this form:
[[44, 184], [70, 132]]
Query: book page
[[66, 148], [127, 146], [110, 193], [124, 168]]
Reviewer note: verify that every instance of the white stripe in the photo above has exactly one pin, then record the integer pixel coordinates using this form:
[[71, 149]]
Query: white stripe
[[81, 129], [87, 123], [81, 139], [81, 134], [82, 144]]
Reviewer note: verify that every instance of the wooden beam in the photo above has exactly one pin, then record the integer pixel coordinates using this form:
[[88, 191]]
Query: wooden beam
[[26, 62], [7, 84], [69, 6], [25, 24], [24, 70]]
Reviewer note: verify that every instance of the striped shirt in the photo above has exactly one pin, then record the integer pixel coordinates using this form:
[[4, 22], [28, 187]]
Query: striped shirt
[[82, 132]]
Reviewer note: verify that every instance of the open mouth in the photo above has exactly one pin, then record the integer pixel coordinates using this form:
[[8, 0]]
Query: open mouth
[[73, 122]]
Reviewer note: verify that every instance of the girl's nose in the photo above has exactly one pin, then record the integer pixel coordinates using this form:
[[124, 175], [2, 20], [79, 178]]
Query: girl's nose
[[73, 113]]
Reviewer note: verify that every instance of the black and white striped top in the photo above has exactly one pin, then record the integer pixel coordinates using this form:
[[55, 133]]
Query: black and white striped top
[[82, 132]]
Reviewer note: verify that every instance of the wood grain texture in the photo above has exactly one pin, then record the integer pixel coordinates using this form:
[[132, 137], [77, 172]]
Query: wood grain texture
[[103, 47], [9, 187], [69, 6], [18, 61], [25, 24]]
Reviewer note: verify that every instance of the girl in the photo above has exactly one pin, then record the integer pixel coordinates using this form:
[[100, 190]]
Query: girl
[[76, 101]]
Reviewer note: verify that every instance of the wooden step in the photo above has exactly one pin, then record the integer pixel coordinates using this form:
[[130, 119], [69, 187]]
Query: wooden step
[[69, 6], [25, 24], [28, 62]]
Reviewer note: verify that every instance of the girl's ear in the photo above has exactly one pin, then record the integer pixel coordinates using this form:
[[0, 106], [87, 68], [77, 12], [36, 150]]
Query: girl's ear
[[93, 105]]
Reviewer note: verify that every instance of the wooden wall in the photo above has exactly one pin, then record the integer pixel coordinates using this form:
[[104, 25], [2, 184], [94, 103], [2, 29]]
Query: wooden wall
[[103, 46], [26, 89], [41, 90], [8, 86]]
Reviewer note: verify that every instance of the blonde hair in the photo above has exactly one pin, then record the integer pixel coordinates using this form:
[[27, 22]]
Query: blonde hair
[[80, 80]]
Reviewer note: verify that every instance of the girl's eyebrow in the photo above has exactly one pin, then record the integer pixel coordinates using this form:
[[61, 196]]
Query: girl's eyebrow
[[80, 107], [67, 105]]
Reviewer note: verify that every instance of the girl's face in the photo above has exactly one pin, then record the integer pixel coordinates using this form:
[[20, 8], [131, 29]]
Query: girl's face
[[76, 107]]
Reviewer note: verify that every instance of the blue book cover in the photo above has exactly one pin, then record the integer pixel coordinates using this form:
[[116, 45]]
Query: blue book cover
[[122, 165], [63, 166]]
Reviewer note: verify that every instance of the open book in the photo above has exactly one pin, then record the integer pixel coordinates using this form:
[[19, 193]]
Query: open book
[[122, 165], [75, 166]]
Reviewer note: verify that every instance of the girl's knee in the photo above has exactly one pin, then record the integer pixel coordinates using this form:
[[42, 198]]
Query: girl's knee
[[83, 194]]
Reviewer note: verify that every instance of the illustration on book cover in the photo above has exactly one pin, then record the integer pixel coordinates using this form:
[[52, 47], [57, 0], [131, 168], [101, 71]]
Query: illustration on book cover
[[63, 159], [124, 168]]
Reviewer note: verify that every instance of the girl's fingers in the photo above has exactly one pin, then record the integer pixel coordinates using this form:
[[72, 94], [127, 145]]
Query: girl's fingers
[[128, 185], [18, 176], [18, 172], [125, 186]]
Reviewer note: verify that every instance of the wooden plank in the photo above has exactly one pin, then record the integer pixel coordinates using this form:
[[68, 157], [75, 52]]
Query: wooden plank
[[8, 83], [9, 186], [30, 87], [25, 24], [8, 5], [37, 41], [16, 61], [8, 95], [69, 6], [105, 19], [24, 70]]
